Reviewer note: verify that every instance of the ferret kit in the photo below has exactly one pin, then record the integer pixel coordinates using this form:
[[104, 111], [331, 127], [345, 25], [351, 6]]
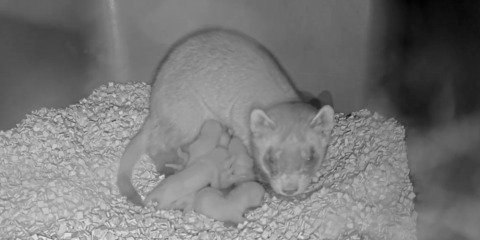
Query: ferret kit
[[58, 181], [214, 162]]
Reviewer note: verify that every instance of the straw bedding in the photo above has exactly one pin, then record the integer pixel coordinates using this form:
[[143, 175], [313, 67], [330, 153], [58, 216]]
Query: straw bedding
[[58, 173]]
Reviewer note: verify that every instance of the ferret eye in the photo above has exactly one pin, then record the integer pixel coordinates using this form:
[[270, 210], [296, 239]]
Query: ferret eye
[[268, 158], [311, 154]]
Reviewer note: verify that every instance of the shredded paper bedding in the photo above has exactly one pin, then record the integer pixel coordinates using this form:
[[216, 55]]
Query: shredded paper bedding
[[58, 173]]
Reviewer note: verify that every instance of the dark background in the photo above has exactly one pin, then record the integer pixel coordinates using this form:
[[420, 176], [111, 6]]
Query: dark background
[[431, 72]]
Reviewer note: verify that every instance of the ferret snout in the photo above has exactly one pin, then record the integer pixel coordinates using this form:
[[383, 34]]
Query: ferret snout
[[290, 189], [290, 185]]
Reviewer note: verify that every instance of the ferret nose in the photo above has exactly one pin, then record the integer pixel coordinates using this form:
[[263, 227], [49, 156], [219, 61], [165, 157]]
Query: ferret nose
[[290, 190]]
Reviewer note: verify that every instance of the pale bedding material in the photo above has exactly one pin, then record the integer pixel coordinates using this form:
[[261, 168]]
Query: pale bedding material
[[58, 173]]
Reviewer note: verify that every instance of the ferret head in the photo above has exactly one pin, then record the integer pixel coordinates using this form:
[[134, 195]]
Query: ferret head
[[289, 142]]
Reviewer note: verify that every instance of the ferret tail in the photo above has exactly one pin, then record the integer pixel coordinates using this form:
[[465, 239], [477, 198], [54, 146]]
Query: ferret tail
[[134, 150]]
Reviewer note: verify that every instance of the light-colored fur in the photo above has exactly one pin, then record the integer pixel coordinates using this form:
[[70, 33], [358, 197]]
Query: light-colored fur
[[224, 75]]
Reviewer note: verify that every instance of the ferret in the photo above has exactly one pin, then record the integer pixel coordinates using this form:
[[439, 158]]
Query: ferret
[[205, 171], [231, 207], [225, 75]]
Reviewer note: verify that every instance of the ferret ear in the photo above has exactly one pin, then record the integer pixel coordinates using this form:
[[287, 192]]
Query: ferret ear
[[324, 121], [260, 122]]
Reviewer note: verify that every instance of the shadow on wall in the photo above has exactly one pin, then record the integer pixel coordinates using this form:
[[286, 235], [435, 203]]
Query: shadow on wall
[[429, 54]]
